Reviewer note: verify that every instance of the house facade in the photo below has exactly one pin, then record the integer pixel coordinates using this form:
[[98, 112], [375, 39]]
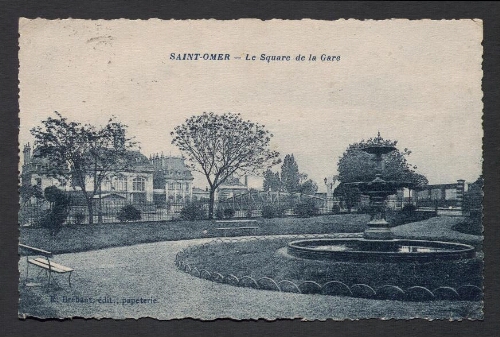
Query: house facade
[[133, 185], [173, 181]]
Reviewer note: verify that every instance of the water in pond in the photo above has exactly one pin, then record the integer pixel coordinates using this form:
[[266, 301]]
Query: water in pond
[[399, 249]]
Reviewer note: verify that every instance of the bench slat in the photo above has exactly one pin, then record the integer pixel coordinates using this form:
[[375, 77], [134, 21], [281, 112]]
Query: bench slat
[[55, 267], [237, 220], [53, 264], [228, 228]]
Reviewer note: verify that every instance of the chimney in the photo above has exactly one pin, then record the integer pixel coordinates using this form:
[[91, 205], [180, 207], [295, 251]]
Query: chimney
[[27, 154], [246, 180]]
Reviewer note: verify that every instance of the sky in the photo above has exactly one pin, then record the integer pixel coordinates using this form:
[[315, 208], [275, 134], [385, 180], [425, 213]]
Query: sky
[[417, 82]]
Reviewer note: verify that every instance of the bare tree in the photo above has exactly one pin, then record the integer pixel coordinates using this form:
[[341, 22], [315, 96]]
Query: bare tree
[[219, 146]]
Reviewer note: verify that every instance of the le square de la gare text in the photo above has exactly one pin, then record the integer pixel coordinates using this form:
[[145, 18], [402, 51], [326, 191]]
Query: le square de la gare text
[[249, 57]]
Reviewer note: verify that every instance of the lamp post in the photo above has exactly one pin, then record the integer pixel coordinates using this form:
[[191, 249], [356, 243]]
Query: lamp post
[[329, 193]]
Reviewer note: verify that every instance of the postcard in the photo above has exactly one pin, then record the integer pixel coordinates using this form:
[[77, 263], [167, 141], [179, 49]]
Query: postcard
[[249, 169]]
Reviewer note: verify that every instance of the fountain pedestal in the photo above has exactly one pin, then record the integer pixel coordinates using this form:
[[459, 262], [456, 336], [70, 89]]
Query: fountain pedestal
[[378, 190], [378, 230]]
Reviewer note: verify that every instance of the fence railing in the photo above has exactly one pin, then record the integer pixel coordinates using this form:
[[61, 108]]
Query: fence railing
[[107, 211]]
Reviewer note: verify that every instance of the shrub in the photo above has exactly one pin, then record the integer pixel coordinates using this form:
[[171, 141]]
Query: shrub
[[336, 209], [364, 209], [54, 218], [219, 214], [193, 211], [272, 211], [79, 218], [229, 213], [306, 209], [408, 209], [129, 213]]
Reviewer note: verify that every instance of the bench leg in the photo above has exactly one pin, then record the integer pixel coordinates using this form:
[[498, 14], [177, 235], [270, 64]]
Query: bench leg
[[27, 268]]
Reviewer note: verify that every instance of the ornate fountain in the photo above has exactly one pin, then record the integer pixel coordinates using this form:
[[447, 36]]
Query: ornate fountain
[[378, 190], [378, 243]]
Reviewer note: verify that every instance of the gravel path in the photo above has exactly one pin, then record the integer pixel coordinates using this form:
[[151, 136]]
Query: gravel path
[[125, 274]]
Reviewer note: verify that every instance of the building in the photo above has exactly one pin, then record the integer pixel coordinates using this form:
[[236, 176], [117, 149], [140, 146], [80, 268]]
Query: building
[[35, 171], [133, 184], [173, 181], [231, 187], [200, 194], [441, 195]]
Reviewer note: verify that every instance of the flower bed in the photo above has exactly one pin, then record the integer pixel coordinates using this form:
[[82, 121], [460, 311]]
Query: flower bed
[[262, 263]]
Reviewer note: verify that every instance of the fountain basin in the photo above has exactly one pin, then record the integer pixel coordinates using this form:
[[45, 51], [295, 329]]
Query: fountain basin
[[363, 250]]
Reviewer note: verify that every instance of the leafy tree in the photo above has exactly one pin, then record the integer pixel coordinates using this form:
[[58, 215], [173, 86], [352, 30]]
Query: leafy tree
[[308, 187], [349, 194], [290, 176], [272, 181], [291, 181], [220, 145], [356, 165], [81, 153]]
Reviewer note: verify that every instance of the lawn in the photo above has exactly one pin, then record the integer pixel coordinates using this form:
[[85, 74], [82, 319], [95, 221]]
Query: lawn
[[79, 238]]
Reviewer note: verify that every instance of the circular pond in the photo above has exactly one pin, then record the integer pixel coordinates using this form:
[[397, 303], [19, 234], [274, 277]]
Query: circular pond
[[362, 250]]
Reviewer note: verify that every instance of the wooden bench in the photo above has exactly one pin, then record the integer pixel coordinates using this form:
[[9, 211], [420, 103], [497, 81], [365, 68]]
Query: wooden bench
[[43, 262], [225, 230]]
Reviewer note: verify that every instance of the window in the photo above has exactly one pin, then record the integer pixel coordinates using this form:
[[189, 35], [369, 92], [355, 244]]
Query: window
[[106, 184], [139, 184], [120, 184], [179, 186]]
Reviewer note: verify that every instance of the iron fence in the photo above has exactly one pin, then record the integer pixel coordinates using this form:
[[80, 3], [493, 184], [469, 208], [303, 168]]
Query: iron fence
[[249, 206]]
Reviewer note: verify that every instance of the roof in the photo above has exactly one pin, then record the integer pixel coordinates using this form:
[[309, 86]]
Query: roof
[[232, 182], [171, 167], [138, 162]]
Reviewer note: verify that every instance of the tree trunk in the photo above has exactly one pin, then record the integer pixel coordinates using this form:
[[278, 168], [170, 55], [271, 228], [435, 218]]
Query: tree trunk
[[211, 204], [91, 211], [99, 214]]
